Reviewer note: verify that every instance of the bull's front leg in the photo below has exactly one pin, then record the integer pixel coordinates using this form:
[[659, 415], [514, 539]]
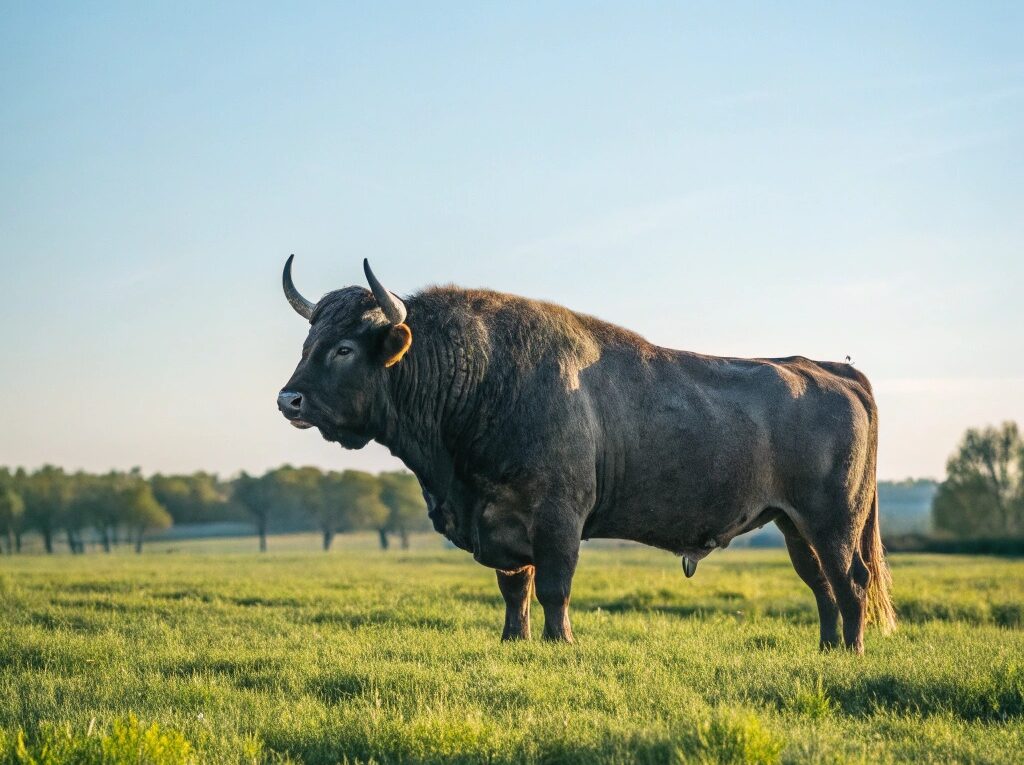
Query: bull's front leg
[[556, 549], [517, 589]]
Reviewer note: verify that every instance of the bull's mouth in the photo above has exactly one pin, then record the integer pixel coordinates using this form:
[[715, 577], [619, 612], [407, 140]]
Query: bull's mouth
[[348, 438]]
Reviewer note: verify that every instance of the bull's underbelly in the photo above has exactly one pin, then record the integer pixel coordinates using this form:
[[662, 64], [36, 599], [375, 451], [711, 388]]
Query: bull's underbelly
[[688, 488], [686, 524]]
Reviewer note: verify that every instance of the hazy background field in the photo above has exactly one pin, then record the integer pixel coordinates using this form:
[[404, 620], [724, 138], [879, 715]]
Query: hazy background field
[[297, 655]]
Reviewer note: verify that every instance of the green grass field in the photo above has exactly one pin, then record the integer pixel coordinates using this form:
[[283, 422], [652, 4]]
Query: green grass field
[[207, 652]]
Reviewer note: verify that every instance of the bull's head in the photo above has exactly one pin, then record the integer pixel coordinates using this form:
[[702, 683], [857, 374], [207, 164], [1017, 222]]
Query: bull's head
[[355, 335]]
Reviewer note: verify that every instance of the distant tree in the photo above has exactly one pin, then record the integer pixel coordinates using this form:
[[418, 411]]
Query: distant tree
[[400, 492], [354, 497], [47, 497], [99, 502], [983, 494], [196, 498], [308, 490], [257, 494], [140, 510], [12, 510], [76, 515], [20, 486]]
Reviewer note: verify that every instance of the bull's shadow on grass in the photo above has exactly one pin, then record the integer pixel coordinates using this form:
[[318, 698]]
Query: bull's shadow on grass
[[987, 698], [730, 607], [1009, 614], [728, 603], [990, 698]]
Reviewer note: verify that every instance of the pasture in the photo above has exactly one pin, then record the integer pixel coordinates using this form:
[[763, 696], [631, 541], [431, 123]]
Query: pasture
[[211, 652]]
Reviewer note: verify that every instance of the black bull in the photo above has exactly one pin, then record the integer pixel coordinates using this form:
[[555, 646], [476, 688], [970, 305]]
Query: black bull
[[531, 427]]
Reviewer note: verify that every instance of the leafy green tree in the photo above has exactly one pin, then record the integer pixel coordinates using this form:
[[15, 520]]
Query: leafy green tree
[[983, 494], [47, 496], [75, 516], [99, 503], [257, 494], [327, 507], [20, 480], [95, 502], [140, 510], [196, 498], [305, 491], [401, 494], [12, 510], [354, 497]]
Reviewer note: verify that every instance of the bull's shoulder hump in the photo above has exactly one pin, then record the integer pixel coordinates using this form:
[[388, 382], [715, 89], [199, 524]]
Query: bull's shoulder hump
[[548, 324]]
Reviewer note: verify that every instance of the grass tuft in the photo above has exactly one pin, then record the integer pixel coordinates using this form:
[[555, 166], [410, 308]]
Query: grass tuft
[[812, 702], [126, 742], [733, 738]]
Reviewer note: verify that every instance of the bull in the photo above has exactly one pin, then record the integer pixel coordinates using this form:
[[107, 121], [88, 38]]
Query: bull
[[531, 427]]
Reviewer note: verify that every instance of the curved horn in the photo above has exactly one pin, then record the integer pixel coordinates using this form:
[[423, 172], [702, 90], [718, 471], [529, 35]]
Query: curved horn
[[393, 308], [302, 306]]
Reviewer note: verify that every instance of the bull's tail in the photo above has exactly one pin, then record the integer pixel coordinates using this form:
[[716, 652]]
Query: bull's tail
[[879, 602]]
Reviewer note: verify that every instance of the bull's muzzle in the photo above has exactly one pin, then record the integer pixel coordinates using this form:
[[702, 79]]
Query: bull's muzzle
[[290, 404]]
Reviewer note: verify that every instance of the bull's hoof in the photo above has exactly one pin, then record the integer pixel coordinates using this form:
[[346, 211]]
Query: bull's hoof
[[508, 637], [561, 637]]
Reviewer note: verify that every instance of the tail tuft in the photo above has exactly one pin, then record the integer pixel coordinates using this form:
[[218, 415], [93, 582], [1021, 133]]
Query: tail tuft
[[880, 610]]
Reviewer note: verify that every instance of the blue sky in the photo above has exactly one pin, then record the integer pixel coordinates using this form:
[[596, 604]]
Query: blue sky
[[725, 178]]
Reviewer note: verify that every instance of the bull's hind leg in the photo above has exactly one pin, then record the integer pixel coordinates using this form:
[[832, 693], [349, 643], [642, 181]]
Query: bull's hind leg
[[837, 547], [849, 578], [516, 588], [809, 570]]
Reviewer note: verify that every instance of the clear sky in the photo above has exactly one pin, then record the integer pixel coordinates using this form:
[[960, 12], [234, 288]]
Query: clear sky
[[763, 179]]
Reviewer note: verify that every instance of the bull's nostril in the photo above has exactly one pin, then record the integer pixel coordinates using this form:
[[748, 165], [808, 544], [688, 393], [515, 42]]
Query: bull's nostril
[[288, 400]]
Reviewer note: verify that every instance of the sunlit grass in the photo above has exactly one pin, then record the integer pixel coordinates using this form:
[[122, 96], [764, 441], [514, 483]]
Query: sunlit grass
[[306, 657]]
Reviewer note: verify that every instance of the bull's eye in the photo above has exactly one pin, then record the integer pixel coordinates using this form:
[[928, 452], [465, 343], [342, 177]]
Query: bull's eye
[[342, 350]]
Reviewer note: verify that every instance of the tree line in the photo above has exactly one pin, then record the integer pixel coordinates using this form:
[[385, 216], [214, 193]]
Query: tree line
[[115, 508], [982, 497]]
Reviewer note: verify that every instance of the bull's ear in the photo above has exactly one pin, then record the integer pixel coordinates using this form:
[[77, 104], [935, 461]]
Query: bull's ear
[[397, 343]]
